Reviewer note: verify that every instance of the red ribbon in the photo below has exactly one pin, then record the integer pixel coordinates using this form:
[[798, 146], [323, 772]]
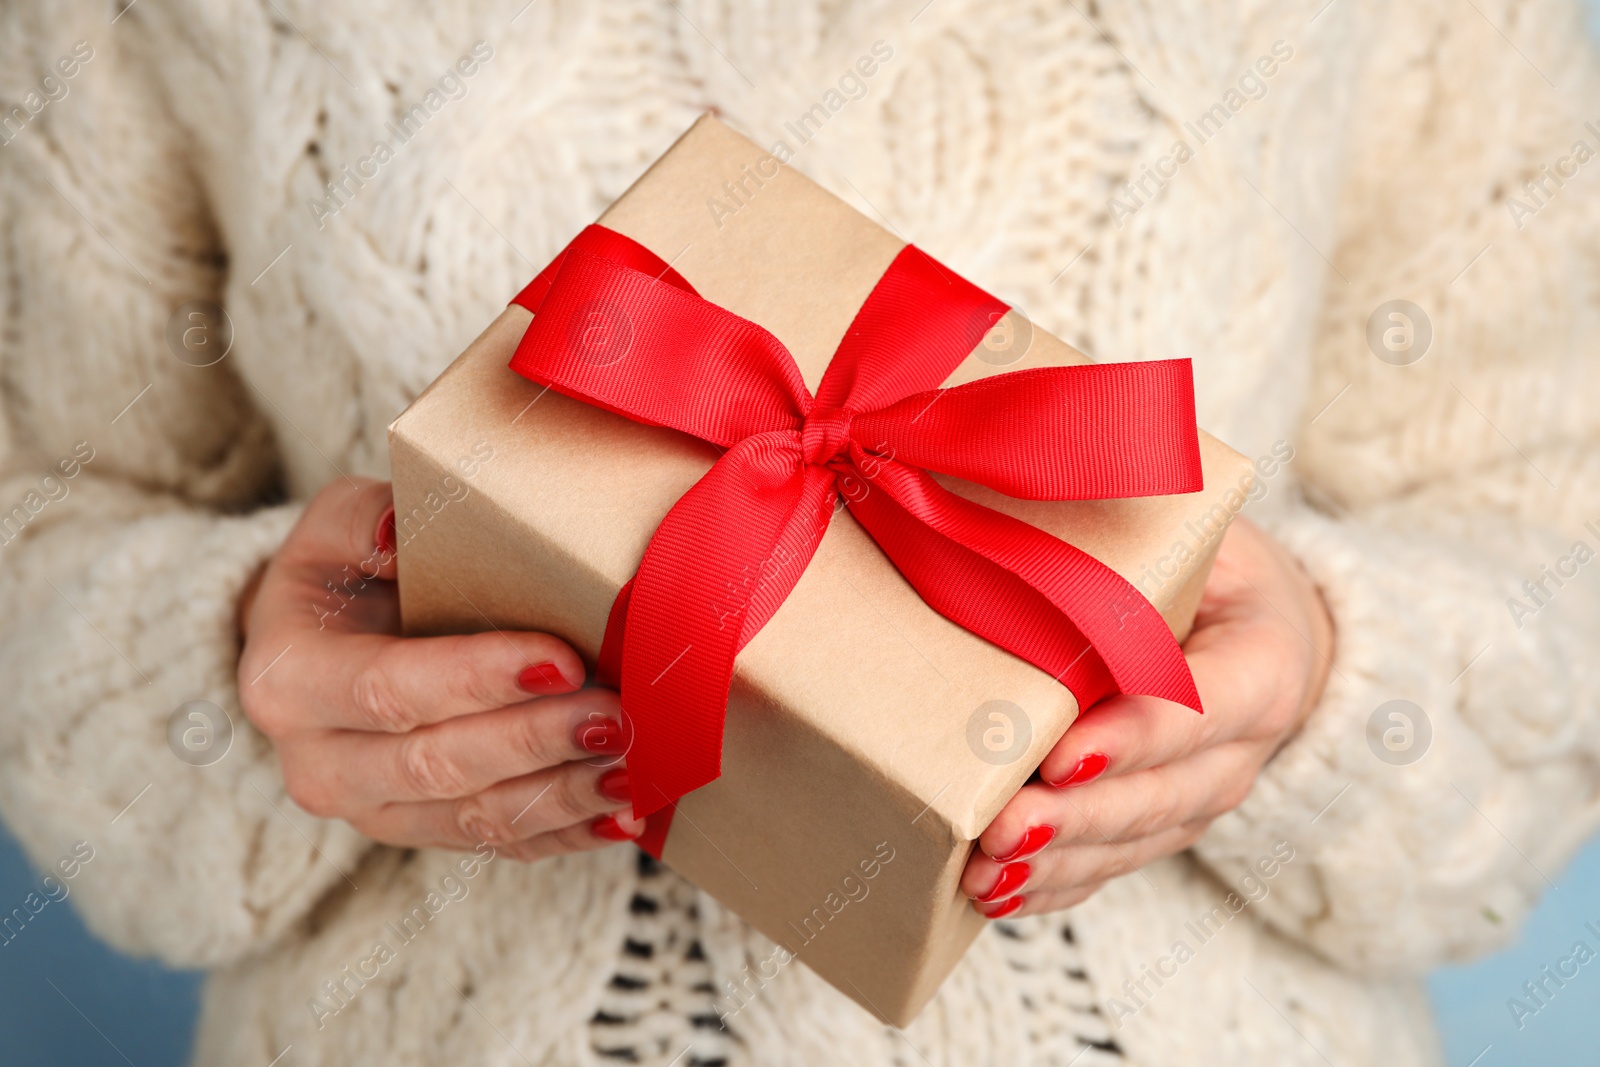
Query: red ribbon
[[618, 328]]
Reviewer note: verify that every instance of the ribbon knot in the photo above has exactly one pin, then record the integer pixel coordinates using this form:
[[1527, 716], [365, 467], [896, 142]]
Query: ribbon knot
[[825, 436], [732, 548]]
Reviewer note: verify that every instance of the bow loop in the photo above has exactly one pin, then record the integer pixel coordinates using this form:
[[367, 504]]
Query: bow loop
[[1094, 432]]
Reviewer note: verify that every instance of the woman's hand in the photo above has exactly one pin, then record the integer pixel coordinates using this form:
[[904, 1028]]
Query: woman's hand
[[1137, 778], [442, 742]]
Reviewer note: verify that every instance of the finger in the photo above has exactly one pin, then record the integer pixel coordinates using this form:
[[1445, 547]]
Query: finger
[[350, 521], [1125, 734], [599, 832], [515, 810], [1036, 903], [468, 754], [407, 827], [393, 685], [1068, 867], [1244, 656], [1137, 805]]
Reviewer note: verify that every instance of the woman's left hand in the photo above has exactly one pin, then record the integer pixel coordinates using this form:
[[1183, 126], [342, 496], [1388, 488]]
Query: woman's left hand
[[1138, 778]]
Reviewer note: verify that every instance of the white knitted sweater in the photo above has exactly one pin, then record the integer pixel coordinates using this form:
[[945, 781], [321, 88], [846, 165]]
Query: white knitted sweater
[[1383, 158]]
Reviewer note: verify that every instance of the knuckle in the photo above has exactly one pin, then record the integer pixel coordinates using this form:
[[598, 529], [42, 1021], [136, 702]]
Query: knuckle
[[1191, 834], [1083, 892], [1098, 865], [1272, 712], [1161, 811], [531, 743], [1078, 825], [338, 497], [261, 710], [366, 826], [1282, 717], [577, 838], [466, 681], [309, 792], [573, 798], [478, 822], [1279, 694], [378, 701], [264, 703], [527, 851], [427, 770], [1231, 796]]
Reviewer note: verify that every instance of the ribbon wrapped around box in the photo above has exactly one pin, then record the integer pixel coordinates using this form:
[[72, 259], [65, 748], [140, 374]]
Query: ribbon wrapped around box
[[852, 538]]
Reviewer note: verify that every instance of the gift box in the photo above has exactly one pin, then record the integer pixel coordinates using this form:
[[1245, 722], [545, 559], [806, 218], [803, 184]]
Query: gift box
[[867, 738]]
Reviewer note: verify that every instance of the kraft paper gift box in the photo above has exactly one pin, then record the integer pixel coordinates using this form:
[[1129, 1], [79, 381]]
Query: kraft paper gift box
[[868, 740]]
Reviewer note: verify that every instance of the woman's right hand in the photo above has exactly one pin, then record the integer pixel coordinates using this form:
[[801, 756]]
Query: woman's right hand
[[439, 742]]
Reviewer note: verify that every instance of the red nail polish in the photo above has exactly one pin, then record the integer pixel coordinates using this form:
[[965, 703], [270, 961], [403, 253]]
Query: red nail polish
[[1013, 876], [606, 826], [1033, 842], [613, 785], [1088, 769], [383, 537], [544, 679], [603, 737], [1002, 909]]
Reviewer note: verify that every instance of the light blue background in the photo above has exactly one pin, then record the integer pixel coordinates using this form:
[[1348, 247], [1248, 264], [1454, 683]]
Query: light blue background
[[67, 999]]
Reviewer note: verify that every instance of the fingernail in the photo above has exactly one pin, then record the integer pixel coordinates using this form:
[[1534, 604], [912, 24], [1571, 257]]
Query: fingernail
[[383, 537], [613, 785], [603, 737], [543, 679], [1033, 842], [1013, 876], [1002, 909], [608, 827], [1088, 769]]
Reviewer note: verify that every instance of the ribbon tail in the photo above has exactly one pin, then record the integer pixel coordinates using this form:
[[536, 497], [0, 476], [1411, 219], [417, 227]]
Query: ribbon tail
[[608, 666], [721, 563], [608, 672], [1022, 589]]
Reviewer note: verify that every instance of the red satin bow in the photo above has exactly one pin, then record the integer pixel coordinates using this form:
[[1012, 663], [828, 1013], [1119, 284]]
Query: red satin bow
[[616, 327]]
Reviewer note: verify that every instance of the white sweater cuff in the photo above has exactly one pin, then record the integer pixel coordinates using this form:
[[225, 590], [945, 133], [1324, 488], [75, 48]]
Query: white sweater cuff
[[194, 861], [1415, 848]]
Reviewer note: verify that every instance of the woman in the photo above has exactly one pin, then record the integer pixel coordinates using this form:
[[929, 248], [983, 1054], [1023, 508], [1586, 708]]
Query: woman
[[1251, 186]]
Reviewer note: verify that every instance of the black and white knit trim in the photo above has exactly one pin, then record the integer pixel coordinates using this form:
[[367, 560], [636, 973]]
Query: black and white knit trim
[[659, 1007]]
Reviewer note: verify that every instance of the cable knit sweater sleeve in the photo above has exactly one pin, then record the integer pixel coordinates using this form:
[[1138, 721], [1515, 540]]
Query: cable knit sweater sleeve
[[126, 480], [1438, 487]]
